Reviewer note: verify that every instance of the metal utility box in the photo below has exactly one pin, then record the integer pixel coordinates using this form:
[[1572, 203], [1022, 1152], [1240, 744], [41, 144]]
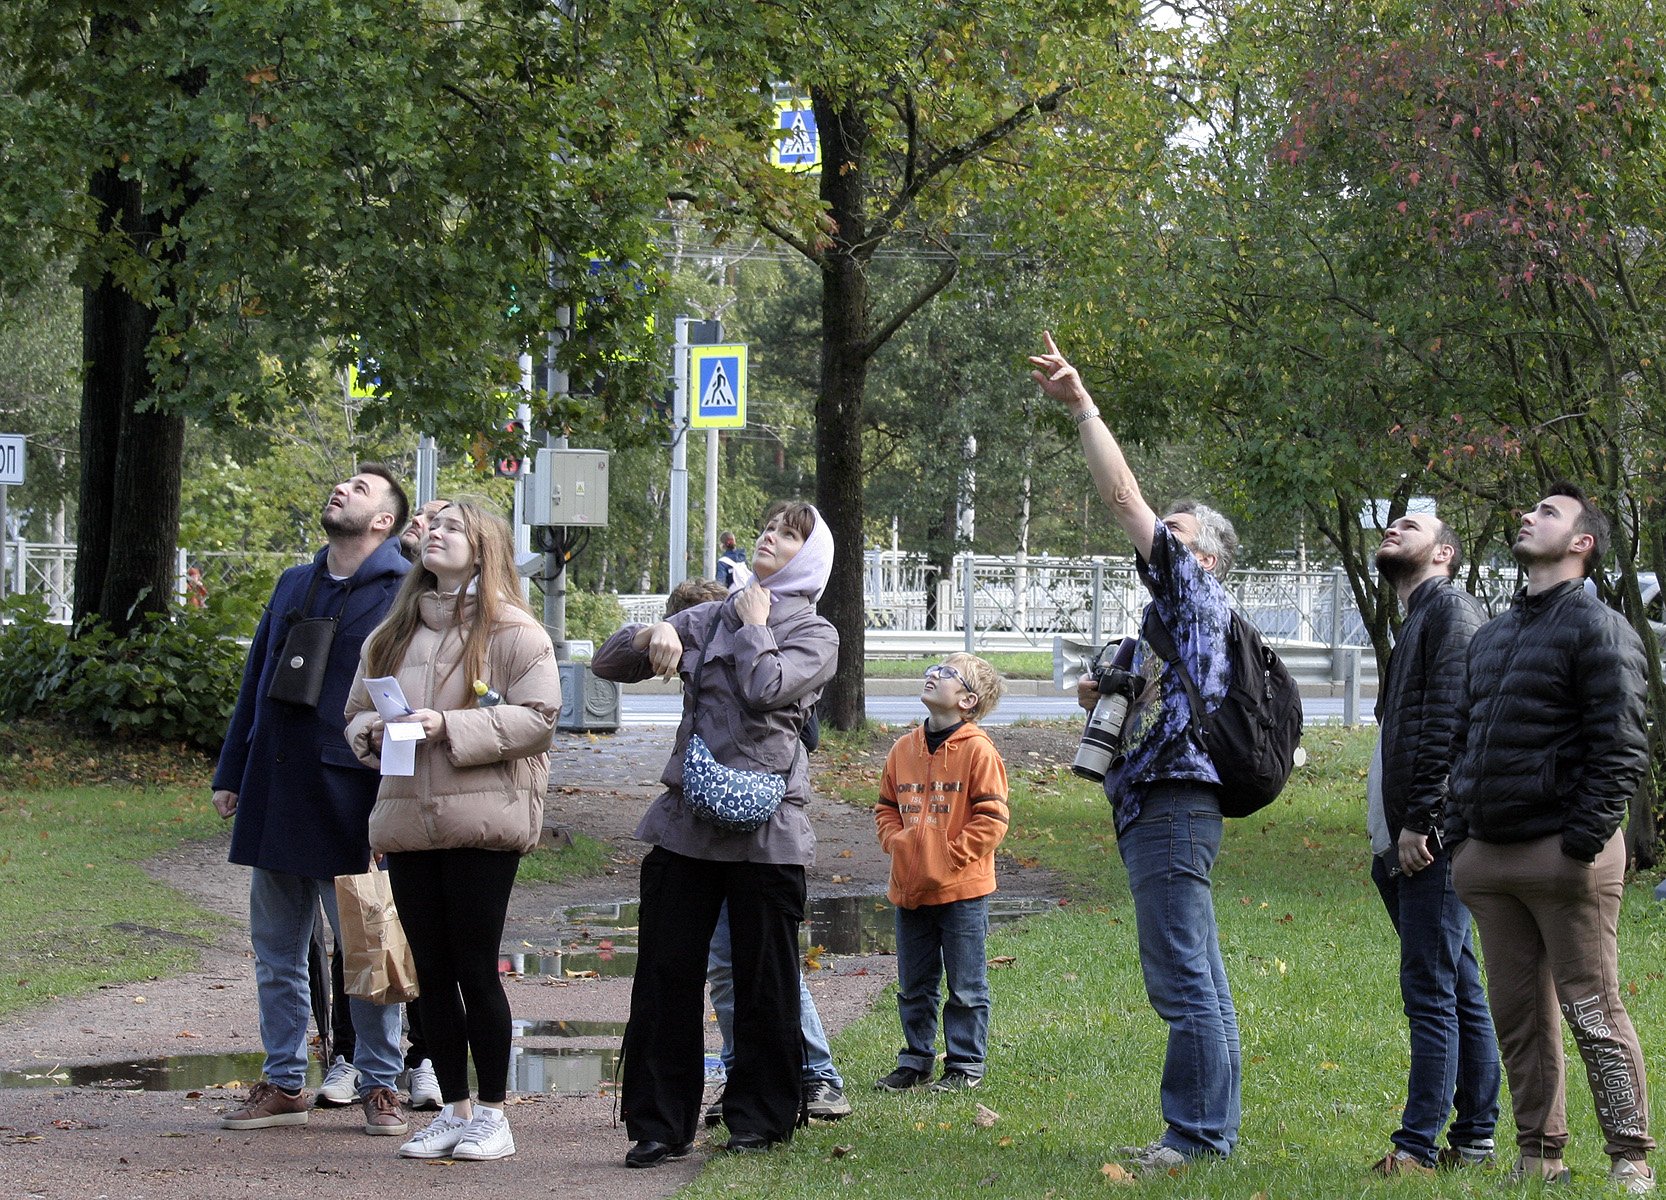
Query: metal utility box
[[588, 702], [568, 487]]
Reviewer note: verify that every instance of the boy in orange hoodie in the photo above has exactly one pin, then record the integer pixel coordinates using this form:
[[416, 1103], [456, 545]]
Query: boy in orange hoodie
[[942, 811]]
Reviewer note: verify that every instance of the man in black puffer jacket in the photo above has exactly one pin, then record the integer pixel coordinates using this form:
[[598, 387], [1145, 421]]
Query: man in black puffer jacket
[[1549, 750], [1454, 1055]]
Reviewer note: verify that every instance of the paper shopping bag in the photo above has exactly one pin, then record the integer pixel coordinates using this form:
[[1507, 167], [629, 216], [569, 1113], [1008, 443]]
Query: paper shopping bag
[[376, 960]]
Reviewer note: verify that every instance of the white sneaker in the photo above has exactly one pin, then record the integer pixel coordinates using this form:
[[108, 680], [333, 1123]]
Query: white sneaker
[[438, 1139], [341, 1085], [487, 1136], [424, 1085], [1632, 1177]]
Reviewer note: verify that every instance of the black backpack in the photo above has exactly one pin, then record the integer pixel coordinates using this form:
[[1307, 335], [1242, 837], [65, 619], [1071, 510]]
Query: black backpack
[[1252, 737]]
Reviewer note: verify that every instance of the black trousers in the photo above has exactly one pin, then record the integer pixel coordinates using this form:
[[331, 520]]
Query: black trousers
[[452, 904], [664, 1040]]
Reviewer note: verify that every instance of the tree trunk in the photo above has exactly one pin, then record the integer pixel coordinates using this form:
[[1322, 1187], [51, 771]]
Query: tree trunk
[[844, 376], [131, 453]]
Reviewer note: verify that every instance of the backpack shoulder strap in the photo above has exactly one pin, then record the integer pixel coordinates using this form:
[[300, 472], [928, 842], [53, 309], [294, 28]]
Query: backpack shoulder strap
[[1157, 633]]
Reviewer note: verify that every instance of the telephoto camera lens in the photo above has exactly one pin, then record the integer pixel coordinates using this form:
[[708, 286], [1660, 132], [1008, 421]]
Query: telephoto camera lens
[[1101, 747]]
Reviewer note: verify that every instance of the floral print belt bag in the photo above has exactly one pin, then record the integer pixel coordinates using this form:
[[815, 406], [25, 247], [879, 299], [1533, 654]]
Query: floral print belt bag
[[734, 800]]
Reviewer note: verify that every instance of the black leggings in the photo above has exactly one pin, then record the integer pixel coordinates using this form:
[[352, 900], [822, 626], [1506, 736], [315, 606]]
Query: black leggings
[[452, 904]]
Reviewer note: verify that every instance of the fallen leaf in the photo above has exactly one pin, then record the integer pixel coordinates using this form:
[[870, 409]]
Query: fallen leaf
[[986, 1117], [812, 958], [1003, 1141], [841, 879], [138, 1000], [841, 1151], [1281, 965], [1112, 1173], [1002, 960], [583, 974], [846, 853], [185, 1033]]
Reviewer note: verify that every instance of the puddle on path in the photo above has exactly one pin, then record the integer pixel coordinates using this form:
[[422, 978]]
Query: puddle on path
[[602, 937], [560, 1071]]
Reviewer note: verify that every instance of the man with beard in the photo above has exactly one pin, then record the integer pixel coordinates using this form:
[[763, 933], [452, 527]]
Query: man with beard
[[1454, 1056], [410, 541], [301, 798], [1549, 750]]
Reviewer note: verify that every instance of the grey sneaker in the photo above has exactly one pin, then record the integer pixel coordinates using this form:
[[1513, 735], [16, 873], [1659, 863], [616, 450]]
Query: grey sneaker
[[957, 1081], [1632, 1176], [341, 1085], [1161, 1159], [825, 1101], [902, 1079], [424, 1085], [1474, 1154]]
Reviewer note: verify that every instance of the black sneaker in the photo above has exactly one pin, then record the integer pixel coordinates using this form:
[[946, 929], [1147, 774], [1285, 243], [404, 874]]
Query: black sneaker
[[825, 1101], [957, 1081], [901, 1080]]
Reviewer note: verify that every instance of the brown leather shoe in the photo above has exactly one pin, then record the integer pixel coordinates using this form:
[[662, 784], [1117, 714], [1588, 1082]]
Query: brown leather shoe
[[381, 1113], [267, 1105], [1398, 1162]]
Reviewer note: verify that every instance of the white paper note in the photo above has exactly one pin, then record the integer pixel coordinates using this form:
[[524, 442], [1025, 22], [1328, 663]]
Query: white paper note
[[399, 737]]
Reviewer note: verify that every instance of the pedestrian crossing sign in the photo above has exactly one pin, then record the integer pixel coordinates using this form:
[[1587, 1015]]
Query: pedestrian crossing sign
[[717, 384], [797, 145]]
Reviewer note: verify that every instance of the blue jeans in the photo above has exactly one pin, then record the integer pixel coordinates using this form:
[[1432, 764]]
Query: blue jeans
[[282, 908], [1169, 851], [936, 942], [1454, 1055], [720, 975]]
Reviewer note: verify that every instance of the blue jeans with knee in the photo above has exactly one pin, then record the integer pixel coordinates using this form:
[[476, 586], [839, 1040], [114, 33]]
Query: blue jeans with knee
[[1170, 851], [937, 942], [1454, 1055], [720, 977], [282, 908]]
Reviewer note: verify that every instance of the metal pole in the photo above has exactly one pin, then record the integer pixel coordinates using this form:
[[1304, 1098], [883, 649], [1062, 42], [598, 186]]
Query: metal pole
[[427, 470], [968, 600], [1336, 625], [523, 534], [555, 561], [1096, 614], [1350, 686], [5, 540], [677, 554], [711, 504]]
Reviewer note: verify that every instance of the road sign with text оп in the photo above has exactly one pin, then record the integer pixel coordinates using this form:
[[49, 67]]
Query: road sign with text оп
[[11, 460], [717, 383]]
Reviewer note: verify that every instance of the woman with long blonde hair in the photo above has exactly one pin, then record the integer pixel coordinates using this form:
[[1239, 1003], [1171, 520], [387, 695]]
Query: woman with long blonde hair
[[480, 677]]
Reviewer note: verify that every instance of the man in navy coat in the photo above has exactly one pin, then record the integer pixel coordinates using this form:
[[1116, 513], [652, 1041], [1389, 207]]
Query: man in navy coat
[[302, 800]]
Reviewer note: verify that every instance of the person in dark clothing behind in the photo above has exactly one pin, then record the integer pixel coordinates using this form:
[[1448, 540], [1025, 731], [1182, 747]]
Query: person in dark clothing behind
[[1454, 1055], [1549, 749]]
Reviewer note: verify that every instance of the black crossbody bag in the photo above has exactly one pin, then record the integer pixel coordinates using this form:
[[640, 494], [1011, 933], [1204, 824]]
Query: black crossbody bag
[[299, 675]]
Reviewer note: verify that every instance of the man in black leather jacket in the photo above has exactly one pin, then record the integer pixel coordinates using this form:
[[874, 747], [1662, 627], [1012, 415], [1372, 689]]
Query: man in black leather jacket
[[1454, 1055], [1549, 750]]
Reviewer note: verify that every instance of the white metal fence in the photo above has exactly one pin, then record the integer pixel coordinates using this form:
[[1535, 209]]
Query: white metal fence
[[984, 601]]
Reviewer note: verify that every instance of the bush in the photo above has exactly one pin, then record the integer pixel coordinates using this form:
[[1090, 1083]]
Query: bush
[[174, 678], [593, 616]]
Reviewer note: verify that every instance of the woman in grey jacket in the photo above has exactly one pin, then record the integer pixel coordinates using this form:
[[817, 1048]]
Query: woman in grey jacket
[[764, 657], [479, 674]]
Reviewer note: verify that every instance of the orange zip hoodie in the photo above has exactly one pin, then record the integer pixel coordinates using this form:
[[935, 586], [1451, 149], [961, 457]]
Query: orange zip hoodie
[[940, 817]]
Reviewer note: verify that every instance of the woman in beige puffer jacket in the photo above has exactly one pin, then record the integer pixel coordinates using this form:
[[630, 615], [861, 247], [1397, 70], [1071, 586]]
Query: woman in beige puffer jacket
[[480, 677]]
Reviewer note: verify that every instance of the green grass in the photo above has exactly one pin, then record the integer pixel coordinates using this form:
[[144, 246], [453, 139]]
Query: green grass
[[586, 856], [1075, 1049], [1018, 664], [76, 909]]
